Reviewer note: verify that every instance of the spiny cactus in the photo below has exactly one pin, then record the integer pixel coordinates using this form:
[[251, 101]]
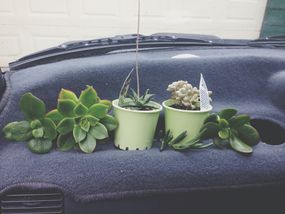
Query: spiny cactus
[[185, 95]]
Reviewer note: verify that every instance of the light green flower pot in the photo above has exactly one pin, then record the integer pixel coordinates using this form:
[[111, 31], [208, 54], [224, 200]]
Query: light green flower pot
[[136, 129], [178, 121]]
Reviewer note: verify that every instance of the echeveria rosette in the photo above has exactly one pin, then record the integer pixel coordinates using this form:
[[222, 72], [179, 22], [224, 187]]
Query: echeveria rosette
[[227, 128], [37, 130], [82, 121]]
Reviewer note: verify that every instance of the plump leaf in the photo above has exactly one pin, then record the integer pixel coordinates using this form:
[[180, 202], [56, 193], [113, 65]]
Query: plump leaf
[[223, 123], [89, 97], [85, 125], [66, 125], [99, 131], [109, 122], [209, 130], [67, 94], [239, 145], [248, 134], [224, 134], [65, 107], [78, 133], [98, 110], [38, 133], [55, 116], [239, 120], [18, 131], [211, 118], [32, 107], [49, 129], [227, 113], [35, 124], [40, 146], [88, 145], [92, 120], [107, 103], [65, 142], [80, 109]]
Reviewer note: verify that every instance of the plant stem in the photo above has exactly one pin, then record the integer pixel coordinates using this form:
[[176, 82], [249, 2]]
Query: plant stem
[[137, 49]]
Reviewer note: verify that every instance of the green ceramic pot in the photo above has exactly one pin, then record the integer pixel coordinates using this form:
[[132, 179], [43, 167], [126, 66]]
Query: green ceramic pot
[[178, 120], [136, 129]]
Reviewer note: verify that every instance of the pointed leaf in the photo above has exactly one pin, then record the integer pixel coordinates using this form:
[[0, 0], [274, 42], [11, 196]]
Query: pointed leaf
[[239, 120], [40, 146], [88, 145], [80, 109], [55, 116], [65, 142], [109, 122], [32, 107], [18, 131], [227, 113], [99, 131], [92, 120], [239, 146], [248, 134], [98, 110], [66, 125], [65, 107], [107, 103], [125, 87], [78, 133], [85, 125], [89, 97], [67, 94], [179, 138], [49, 129]]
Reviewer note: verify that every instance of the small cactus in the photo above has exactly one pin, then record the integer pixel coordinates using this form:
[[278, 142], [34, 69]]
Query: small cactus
[[185, 95]]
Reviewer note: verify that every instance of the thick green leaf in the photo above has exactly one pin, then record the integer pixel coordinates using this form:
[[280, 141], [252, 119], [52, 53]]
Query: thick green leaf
[[35, 124], [65, 107], [88, 145], [223, 123], [239, 145], [78, 133], [55, 116], [209, 130], [80, 109], [85, 125], [18, 131], [224, 134], [109, 122], [239, 120], [66, 125], [40, 146], [248, 134], [49, 129], [89, 97], [99, 131], [211, 118], [98, 110], [227, 113], [38, 133], [65, 142], [67, 94], [107, 103], [32, 107], [92, 120]]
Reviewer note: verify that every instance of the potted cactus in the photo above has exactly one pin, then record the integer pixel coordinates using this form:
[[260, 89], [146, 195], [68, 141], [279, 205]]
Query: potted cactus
[[183, 111], [137, 114]]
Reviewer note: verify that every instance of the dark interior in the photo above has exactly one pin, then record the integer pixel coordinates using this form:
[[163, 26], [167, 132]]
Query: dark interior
[[249, 79]]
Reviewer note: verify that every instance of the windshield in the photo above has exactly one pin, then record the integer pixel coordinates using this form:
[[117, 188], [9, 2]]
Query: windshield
[[30, 26]]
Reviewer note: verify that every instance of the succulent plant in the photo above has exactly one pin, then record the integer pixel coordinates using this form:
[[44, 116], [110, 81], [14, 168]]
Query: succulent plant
[[37, 130], [81, 121], [185, 95], [226, 128]]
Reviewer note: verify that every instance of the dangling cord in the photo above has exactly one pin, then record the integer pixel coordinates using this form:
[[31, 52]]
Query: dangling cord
[[137, 49]]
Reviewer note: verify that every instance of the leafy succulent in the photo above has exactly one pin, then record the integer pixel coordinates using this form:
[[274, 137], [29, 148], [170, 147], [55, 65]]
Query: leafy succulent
[[81, 121], [37, 129], [134, 100], [185, 95], [177, 144], [226, 128]]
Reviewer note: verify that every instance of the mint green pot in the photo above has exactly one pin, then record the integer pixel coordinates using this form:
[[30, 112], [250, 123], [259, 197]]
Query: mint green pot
[[178, 121], [136, 129]]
